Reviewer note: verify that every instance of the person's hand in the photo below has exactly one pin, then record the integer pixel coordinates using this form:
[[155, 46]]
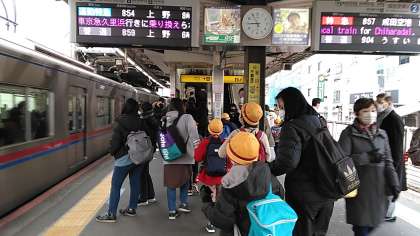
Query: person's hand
[[375, 156], [395, 193]]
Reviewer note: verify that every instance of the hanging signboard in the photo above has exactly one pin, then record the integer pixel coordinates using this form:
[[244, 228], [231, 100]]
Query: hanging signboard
[[101, 24], [254, 78], [228, 79], [222, 26], [366, 27], [291, 26]]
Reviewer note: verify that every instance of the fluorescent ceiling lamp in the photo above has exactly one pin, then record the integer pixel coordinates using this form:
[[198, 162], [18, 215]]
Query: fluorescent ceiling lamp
[[133, 63]]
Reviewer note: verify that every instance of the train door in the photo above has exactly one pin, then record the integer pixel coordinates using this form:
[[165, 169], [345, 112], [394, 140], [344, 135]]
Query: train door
[[77, 126]]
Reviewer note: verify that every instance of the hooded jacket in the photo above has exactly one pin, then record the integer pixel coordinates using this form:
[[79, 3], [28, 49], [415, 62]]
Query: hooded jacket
[[122, 127], [151, 125], [240, 185]]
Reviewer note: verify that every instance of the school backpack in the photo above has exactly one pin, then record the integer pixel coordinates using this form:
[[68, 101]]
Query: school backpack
[[262, 154], [271, 216], [215, 165], [140, 147], [171, 143], [336, 174]]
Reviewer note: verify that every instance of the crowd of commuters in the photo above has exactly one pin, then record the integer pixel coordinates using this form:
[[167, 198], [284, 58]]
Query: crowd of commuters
[[235, 162]]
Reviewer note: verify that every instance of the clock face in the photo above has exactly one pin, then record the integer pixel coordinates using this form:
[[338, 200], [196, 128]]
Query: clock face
[[257, 23]]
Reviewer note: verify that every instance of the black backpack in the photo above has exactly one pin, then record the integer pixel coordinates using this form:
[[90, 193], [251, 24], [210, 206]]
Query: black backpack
[[336, 174], [215, 165]]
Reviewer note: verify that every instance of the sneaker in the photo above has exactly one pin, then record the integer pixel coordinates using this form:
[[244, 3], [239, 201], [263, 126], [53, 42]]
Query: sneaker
[[391, 219], [184, 208], [190, 192], [152, 200], [128, 212], [107, 218], [173, 215], [210, 228], [143, 203]]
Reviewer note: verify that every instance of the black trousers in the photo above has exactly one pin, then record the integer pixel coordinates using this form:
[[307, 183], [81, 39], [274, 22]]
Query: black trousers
[[313, 217], [147, 190]]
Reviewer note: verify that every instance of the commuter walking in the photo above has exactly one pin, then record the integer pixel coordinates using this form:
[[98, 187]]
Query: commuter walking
[[147, 192], [251, 113], [248, 179], [368, 147], [313, 209], [212, 168], [234, 115], [123, 165], [393, 125], [177, 173]]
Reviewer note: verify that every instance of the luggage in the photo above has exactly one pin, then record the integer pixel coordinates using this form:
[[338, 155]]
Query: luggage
[[171, 143], [271, 216], [140, 148], [215, 165], [336, 175]]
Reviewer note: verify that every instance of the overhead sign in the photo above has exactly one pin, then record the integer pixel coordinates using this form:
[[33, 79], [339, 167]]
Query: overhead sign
[[291, 26], [367, 27], [355, 96], [228, 79], [254, 77], [222, 25], [133, 25]]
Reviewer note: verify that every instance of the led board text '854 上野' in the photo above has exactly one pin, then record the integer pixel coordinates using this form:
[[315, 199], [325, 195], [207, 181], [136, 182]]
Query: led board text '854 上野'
[[133, 25]]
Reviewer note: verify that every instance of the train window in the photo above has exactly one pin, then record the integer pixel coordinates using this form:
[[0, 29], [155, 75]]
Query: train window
[[103, 113], [112, 104], [25, 114], [72, 113], [38, 103]]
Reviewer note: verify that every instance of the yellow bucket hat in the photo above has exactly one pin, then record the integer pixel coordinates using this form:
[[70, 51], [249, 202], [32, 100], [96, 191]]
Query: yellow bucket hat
[[243, 148], [215, 127], [251, 113]]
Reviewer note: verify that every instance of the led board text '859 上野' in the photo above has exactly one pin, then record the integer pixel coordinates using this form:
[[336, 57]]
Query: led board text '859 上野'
[[385, 31], [133, 25]]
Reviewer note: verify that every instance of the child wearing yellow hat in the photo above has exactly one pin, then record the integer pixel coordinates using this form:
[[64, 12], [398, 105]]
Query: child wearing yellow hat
[[213, 167], [228, 126], [276, 129], [251, 114], [248, 179]]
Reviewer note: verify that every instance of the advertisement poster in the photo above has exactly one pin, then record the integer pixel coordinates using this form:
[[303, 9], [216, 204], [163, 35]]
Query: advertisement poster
[[222, 26], [291, 26]]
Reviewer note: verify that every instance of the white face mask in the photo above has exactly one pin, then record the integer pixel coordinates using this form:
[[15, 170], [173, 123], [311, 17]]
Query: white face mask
[[368, 118], [380, 107], [242, 100], [281, 114]]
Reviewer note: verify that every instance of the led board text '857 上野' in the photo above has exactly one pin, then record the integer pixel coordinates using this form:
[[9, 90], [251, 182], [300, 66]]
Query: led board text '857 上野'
[[133, 25], [384, 29]]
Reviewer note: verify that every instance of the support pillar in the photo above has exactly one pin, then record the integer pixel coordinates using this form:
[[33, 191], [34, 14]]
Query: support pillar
[[172, 80], [217, 86]]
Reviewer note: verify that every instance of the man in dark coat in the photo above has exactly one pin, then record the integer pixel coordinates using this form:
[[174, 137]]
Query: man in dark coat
[[393, 125], [293, 159]]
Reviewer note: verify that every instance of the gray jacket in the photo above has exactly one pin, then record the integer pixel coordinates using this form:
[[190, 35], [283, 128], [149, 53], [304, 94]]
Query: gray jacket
[[369, 207], [188, 129]]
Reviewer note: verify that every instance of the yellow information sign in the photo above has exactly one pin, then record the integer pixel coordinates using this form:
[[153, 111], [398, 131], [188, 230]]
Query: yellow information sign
[[254, 82], [228, 79]]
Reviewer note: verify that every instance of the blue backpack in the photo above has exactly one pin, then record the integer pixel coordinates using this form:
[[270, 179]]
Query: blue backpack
[[271, 216], [215, 165]]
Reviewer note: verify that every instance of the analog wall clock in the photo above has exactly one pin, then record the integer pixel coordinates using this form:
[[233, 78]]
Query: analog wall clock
[[257, 23]]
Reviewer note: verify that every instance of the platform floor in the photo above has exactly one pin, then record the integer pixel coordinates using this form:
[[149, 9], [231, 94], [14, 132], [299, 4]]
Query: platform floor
[[72, 211]]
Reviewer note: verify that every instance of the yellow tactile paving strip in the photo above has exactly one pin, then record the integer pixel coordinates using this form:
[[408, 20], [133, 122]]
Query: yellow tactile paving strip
[[75, 220]]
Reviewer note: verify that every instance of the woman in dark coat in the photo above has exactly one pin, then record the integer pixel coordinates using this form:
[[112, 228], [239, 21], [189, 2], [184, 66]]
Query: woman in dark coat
[[293, 159], [369, 148]]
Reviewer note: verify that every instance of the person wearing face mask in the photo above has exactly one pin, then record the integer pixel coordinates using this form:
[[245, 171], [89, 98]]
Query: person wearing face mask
[[393, 125], [234, 115], [369, 148], [294, 159]]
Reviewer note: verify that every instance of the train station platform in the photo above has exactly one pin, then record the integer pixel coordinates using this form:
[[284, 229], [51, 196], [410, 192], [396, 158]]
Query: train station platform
[[72, 209]]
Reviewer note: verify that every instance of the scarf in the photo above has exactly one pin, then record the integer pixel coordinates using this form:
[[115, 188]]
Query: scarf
[[383, 115], [370, 130]]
